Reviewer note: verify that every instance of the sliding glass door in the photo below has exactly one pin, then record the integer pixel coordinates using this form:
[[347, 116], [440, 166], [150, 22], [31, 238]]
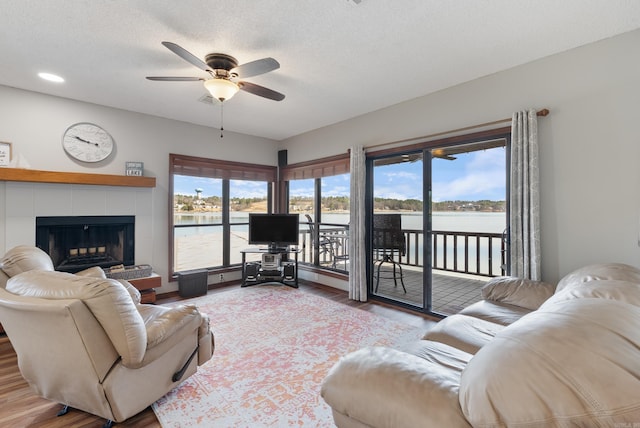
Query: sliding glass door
[[437, 223], [397, 229], [468, 218]]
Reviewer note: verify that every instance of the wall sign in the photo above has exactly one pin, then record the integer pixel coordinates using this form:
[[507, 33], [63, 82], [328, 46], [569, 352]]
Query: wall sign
[[5, 154], [134, 168]]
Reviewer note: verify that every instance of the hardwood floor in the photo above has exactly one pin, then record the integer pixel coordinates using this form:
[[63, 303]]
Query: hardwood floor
[[20, 407]]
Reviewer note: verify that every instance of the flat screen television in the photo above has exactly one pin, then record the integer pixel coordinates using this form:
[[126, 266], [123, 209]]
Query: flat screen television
[[278, 231]]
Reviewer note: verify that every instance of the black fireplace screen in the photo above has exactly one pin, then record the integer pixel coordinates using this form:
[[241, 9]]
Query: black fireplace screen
[[79, 242]]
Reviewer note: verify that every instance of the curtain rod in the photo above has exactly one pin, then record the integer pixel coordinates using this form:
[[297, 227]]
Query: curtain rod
[[544, 112]]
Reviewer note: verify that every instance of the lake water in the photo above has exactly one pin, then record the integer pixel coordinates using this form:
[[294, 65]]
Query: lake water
[[201, 246], [467, 221]]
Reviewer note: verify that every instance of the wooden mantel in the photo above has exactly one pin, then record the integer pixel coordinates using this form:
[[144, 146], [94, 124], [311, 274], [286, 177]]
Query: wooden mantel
[[38, 176]]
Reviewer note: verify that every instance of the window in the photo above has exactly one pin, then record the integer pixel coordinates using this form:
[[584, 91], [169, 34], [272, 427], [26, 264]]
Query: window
[[246, 196], [210, 208], [302, 202], [319, 192], [302, 196], [197, 222]]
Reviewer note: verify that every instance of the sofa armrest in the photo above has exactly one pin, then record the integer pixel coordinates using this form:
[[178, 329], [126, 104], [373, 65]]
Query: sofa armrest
[[3, 277], [384, 387], [93, 272], [133, 291], [517, 291]]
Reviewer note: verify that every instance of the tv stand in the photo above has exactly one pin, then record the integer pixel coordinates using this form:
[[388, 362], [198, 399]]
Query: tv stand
[[274, 249], [275, 266]]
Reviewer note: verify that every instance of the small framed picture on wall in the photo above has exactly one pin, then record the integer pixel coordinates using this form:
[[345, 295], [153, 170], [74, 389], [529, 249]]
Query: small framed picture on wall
[[5, 153]]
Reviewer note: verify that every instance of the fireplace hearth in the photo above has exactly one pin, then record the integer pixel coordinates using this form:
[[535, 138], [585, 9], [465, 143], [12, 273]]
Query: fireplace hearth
[[79, 242]]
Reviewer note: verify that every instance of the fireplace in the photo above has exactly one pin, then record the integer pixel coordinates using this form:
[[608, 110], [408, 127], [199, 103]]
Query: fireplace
[[80, 242]]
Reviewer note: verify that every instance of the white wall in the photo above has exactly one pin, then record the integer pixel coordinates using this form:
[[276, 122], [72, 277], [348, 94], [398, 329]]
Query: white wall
[[589, 144], [34, 123]]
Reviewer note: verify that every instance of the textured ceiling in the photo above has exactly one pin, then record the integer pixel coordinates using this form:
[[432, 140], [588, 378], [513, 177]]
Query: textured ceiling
[[339, 59]]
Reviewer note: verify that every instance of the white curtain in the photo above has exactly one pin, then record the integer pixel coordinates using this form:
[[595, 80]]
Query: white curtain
[[357, 255], [524, 224]]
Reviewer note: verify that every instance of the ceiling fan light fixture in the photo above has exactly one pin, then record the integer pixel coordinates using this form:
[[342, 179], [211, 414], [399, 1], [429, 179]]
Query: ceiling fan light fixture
[[221, 89]]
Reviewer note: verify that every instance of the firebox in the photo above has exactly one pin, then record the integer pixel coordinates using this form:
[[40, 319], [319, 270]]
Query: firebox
[[79, 242]]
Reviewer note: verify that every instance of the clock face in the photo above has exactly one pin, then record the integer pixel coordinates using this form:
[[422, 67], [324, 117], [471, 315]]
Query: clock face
[[87, 142]]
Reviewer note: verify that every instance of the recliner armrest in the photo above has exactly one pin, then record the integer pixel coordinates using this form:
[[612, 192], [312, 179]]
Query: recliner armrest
[[206, 341], [168, 325], [162, 322]]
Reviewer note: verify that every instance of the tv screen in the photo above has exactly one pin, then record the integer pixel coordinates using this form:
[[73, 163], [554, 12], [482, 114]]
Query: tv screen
[[274, 230]]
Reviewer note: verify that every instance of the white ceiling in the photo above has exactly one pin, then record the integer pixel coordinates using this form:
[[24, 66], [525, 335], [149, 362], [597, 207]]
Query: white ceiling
[[339, 59]]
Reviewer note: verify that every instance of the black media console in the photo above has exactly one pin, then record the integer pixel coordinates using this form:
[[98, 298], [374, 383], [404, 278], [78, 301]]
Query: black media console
[[275, 266]]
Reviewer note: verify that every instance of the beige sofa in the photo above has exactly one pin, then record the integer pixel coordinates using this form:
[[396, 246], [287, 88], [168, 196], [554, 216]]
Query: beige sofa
[[528, 355], [86, 341]]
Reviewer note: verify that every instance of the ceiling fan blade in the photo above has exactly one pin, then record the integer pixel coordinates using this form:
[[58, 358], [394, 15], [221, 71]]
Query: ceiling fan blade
[[186, 55], [174, 79], [261, 91], [254, 68]]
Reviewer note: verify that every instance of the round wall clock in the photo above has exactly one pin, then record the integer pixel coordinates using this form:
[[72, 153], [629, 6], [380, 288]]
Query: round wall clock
[[87, 142]]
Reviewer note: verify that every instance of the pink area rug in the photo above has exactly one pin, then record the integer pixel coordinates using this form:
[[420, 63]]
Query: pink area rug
[[274, 346]]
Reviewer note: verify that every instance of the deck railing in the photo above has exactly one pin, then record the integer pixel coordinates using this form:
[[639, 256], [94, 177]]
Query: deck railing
[[476, 253]]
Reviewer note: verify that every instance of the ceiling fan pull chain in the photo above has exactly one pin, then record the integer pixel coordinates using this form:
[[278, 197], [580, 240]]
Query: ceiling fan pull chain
[[221, 119]]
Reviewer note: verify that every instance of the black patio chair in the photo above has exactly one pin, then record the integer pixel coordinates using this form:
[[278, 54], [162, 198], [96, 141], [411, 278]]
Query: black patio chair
[[388, 242], [325, 246]]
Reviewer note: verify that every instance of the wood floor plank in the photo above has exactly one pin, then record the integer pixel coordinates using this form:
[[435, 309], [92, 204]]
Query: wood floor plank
[[21, 407]]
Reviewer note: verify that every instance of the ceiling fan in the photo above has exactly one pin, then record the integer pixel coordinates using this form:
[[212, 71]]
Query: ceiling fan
[[224, 72]]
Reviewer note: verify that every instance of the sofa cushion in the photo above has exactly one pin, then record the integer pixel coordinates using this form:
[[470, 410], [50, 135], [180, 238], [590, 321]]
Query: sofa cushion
[[24, 258], [496, 312], [464, 332], [570, 363], [107, 299], [618, 271], [517, 291], [385, 387], [613, 289]]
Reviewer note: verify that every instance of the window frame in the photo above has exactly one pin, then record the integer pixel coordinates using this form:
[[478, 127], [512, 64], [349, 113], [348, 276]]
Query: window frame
[[316, 170], [195, 166]]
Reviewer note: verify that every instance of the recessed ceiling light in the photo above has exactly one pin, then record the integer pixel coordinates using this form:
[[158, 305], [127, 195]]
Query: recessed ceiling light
[[51, 77]]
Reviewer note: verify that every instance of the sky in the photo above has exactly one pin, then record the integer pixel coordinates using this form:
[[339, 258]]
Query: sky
[[472, 176]]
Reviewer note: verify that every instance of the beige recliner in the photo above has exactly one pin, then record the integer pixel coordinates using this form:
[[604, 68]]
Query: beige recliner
[[86, 341]]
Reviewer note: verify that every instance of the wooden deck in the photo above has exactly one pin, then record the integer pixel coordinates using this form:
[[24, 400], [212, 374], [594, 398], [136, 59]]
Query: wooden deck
[[451, 292]]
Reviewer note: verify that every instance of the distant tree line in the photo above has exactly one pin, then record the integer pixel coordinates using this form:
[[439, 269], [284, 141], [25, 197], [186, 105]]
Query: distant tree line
[[329, 203], [191, 202], [341, 203], [482, 205], [380, 204]]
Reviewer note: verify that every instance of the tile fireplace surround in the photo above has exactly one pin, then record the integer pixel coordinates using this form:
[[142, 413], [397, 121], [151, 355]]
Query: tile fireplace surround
[[22, 202]]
